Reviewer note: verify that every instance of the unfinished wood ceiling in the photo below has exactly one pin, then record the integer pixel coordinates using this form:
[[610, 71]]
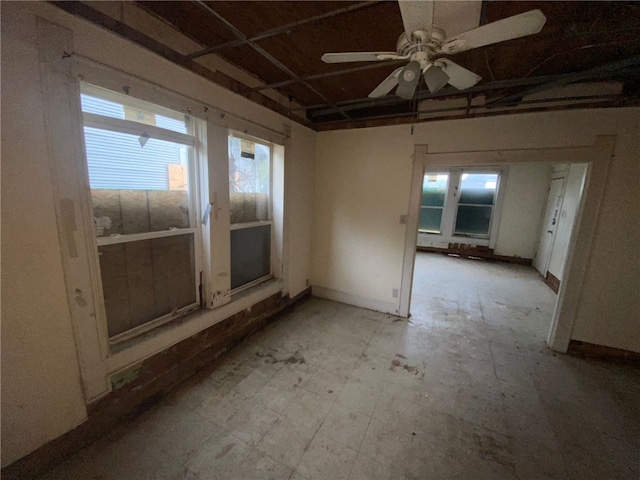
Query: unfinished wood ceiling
[[280, 44]]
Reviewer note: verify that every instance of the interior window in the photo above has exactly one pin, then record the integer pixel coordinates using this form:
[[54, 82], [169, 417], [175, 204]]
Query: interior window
[[250, 209], [434, 191], [140, 160], [475, 204]]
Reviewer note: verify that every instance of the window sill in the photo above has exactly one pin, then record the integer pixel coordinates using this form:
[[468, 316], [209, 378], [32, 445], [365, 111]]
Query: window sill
[[145, 345], [425, 238]]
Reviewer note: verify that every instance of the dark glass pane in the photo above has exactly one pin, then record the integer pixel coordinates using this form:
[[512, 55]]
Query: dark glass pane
[[473, 220], [250, 254], [434, 190], [146, 279], [478, 188], [430, 220]]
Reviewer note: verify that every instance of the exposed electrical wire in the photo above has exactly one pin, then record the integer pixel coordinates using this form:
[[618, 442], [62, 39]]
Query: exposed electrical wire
[[564, 52], [486, 60]]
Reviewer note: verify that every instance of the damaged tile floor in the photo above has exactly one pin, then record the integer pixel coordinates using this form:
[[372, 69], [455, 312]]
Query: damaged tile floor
[[463, 390]]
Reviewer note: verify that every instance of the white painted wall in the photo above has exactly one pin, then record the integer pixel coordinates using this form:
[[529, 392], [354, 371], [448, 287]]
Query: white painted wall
[[574, 181], [41, 390], [362, 186], [524, 200]]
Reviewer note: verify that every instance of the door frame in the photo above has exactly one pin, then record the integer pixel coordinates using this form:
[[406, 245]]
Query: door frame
[[553, 235], [597, 156]]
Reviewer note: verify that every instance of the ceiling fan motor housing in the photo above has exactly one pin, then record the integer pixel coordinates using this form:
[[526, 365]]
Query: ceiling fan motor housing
[[428, 40]]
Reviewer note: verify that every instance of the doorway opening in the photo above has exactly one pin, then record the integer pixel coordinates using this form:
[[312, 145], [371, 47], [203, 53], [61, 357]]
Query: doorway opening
[[492, 244], [596, 160]]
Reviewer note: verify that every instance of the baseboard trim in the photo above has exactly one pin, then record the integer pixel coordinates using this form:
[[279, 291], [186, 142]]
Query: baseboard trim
[[601, 352], [193, 358], [356, 300], [552, 281], [484, 253]]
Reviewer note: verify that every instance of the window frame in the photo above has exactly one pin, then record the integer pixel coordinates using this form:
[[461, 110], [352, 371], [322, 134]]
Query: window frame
[[450, 210], [192, 139], [492, 206], [442, 208], [259, 223], [98, 360]]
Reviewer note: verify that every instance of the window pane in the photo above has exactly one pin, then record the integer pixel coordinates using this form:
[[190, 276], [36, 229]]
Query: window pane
[[147, 279], [118, 161], [434, 190], [142, 113], [136, 189], [249, 177], [250, 254], [430, 220], [473, 220], [478, 188]]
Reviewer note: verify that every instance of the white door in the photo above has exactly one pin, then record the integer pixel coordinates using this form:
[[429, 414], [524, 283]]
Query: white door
[[549, 226]]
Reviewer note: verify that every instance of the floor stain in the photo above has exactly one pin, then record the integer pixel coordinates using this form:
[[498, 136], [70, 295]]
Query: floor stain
[[225, 450], [491, 449], [296, 358], [396, 364]]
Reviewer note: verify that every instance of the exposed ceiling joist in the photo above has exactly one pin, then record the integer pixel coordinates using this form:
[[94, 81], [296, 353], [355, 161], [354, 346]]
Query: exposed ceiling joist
[[268, 56], [281, 44], [277, 31]]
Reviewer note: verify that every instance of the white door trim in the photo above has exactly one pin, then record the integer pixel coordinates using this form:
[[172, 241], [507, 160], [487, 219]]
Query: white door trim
[[598, 156]]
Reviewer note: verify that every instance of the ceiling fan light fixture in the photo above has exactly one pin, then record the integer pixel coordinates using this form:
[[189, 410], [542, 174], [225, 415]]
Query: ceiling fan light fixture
[[408, 80], [435, 78]]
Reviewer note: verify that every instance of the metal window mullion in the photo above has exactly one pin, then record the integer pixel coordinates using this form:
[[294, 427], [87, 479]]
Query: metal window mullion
[[135, 128], [135, 237]]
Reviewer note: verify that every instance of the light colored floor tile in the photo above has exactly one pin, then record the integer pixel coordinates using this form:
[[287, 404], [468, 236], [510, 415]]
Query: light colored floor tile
[[258, 466], [277, 394], [326, 460], [464, 389], [219, 408], [252, 383], [359, 397], [325, 384], [308, 409], [251, 422], [344, 426], [185, 436], [219, 457], [286, 441], [366, 468]]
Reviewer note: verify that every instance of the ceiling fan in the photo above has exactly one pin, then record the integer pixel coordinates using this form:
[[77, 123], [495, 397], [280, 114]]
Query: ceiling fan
[[423, 44]]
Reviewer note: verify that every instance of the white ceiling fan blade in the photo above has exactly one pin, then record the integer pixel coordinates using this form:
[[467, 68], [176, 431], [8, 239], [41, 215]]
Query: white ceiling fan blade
[[509, 28], [416, 15], [435, 78], [359, 57], [459, 77], [386, 85]]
